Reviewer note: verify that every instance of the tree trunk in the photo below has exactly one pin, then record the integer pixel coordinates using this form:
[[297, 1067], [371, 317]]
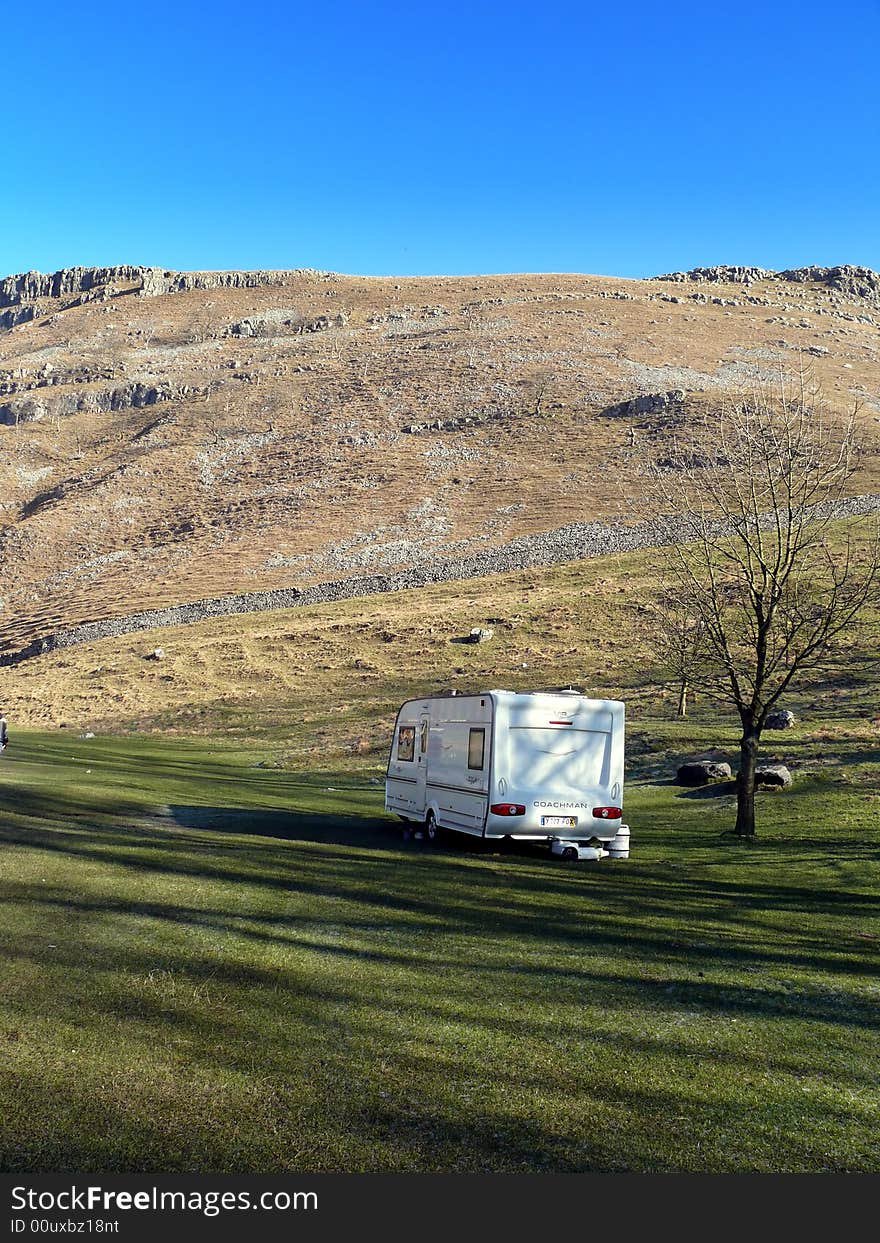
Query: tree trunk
[[745, 783], [683, 700]]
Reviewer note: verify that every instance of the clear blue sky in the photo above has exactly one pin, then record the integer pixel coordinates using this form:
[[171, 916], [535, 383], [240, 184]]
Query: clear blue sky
[[379, 137]]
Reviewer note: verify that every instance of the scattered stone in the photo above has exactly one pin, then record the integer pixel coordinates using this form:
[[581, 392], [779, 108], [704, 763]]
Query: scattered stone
[[275, 323], [780, 720], [479, 635], [157, 653], [477, 417], [651, 403], [702, 772]]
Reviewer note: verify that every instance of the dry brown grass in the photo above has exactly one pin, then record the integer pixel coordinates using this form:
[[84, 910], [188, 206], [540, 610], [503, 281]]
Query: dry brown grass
[[295, 469], [257, 671], [336, 672]]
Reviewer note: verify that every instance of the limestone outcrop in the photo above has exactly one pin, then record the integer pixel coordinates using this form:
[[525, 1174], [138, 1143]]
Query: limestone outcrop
[[30, 409], [649, 403], [24, 289], [725, 273], [848, 279], [29, 286]]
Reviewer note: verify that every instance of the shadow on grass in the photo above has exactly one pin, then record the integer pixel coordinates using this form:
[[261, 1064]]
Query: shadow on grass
[[377, 832], [282, 956], [352, 994], [520, 893], [718, 789], [312, 1131]]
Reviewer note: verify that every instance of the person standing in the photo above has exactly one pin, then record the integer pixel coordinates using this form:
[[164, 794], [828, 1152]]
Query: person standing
[[4, 731]]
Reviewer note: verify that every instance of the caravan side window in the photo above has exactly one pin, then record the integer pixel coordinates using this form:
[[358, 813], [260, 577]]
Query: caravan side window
[[406, 742], [476, 748]]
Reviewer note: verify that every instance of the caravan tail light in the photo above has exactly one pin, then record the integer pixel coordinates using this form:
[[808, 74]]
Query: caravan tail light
[[607, 813], [507, 809]]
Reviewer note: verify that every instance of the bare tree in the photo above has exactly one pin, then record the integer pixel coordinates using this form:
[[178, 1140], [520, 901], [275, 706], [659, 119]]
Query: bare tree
[[681, 643], [541, 384], [764, 574]]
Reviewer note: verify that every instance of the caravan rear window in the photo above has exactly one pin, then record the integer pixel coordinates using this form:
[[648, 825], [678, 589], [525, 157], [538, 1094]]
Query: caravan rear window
[[569, 759], [476, 748], [406, 742]]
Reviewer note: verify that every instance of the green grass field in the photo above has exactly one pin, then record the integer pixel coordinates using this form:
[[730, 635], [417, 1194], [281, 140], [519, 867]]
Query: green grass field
[[211, 965]]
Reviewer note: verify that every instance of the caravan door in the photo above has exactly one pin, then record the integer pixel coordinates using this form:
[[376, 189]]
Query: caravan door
[[422, 762]]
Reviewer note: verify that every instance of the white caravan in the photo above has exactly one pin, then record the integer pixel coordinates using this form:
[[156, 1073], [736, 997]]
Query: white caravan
[[534, 766]]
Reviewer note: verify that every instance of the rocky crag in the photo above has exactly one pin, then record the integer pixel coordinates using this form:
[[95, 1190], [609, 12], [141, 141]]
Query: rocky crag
[[147, 282], [132, 396], [27, 292], [846, 279]]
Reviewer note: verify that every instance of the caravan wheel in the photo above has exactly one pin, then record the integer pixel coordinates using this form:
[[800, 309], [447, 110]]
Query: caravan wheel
[[432, 829]]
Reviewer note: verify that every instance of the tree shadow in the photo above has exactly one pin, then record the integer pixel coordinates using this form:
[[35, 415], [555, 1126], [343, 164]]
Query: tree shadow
[[339, 829], [290, 952], [717, 789]]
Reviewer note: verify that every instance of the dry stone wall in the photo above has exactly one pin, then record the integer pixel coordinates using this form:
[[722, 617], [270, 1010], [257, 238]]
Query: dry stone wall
[[578, 541]]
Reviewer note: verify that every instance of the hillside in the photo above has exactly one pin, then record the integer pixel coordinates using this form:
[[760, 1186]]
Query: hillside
[[170, 436], [322, 682]]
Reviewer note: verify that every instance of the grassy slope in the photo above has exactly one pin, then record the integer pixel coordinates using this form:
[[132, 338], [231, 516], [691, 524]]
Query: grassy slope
[[213, 965], [324, 682]]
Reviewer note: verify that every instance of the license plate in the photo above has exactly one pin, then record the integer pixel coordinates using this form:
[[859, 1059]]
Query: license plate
[[558, 822]]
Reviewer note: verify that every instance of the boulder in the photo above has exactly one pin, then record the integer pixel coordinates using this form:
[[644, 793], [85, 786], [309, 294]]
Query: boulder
[[479, 635], [772, 776], [17, 315], [780, 720], [701, 772]]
